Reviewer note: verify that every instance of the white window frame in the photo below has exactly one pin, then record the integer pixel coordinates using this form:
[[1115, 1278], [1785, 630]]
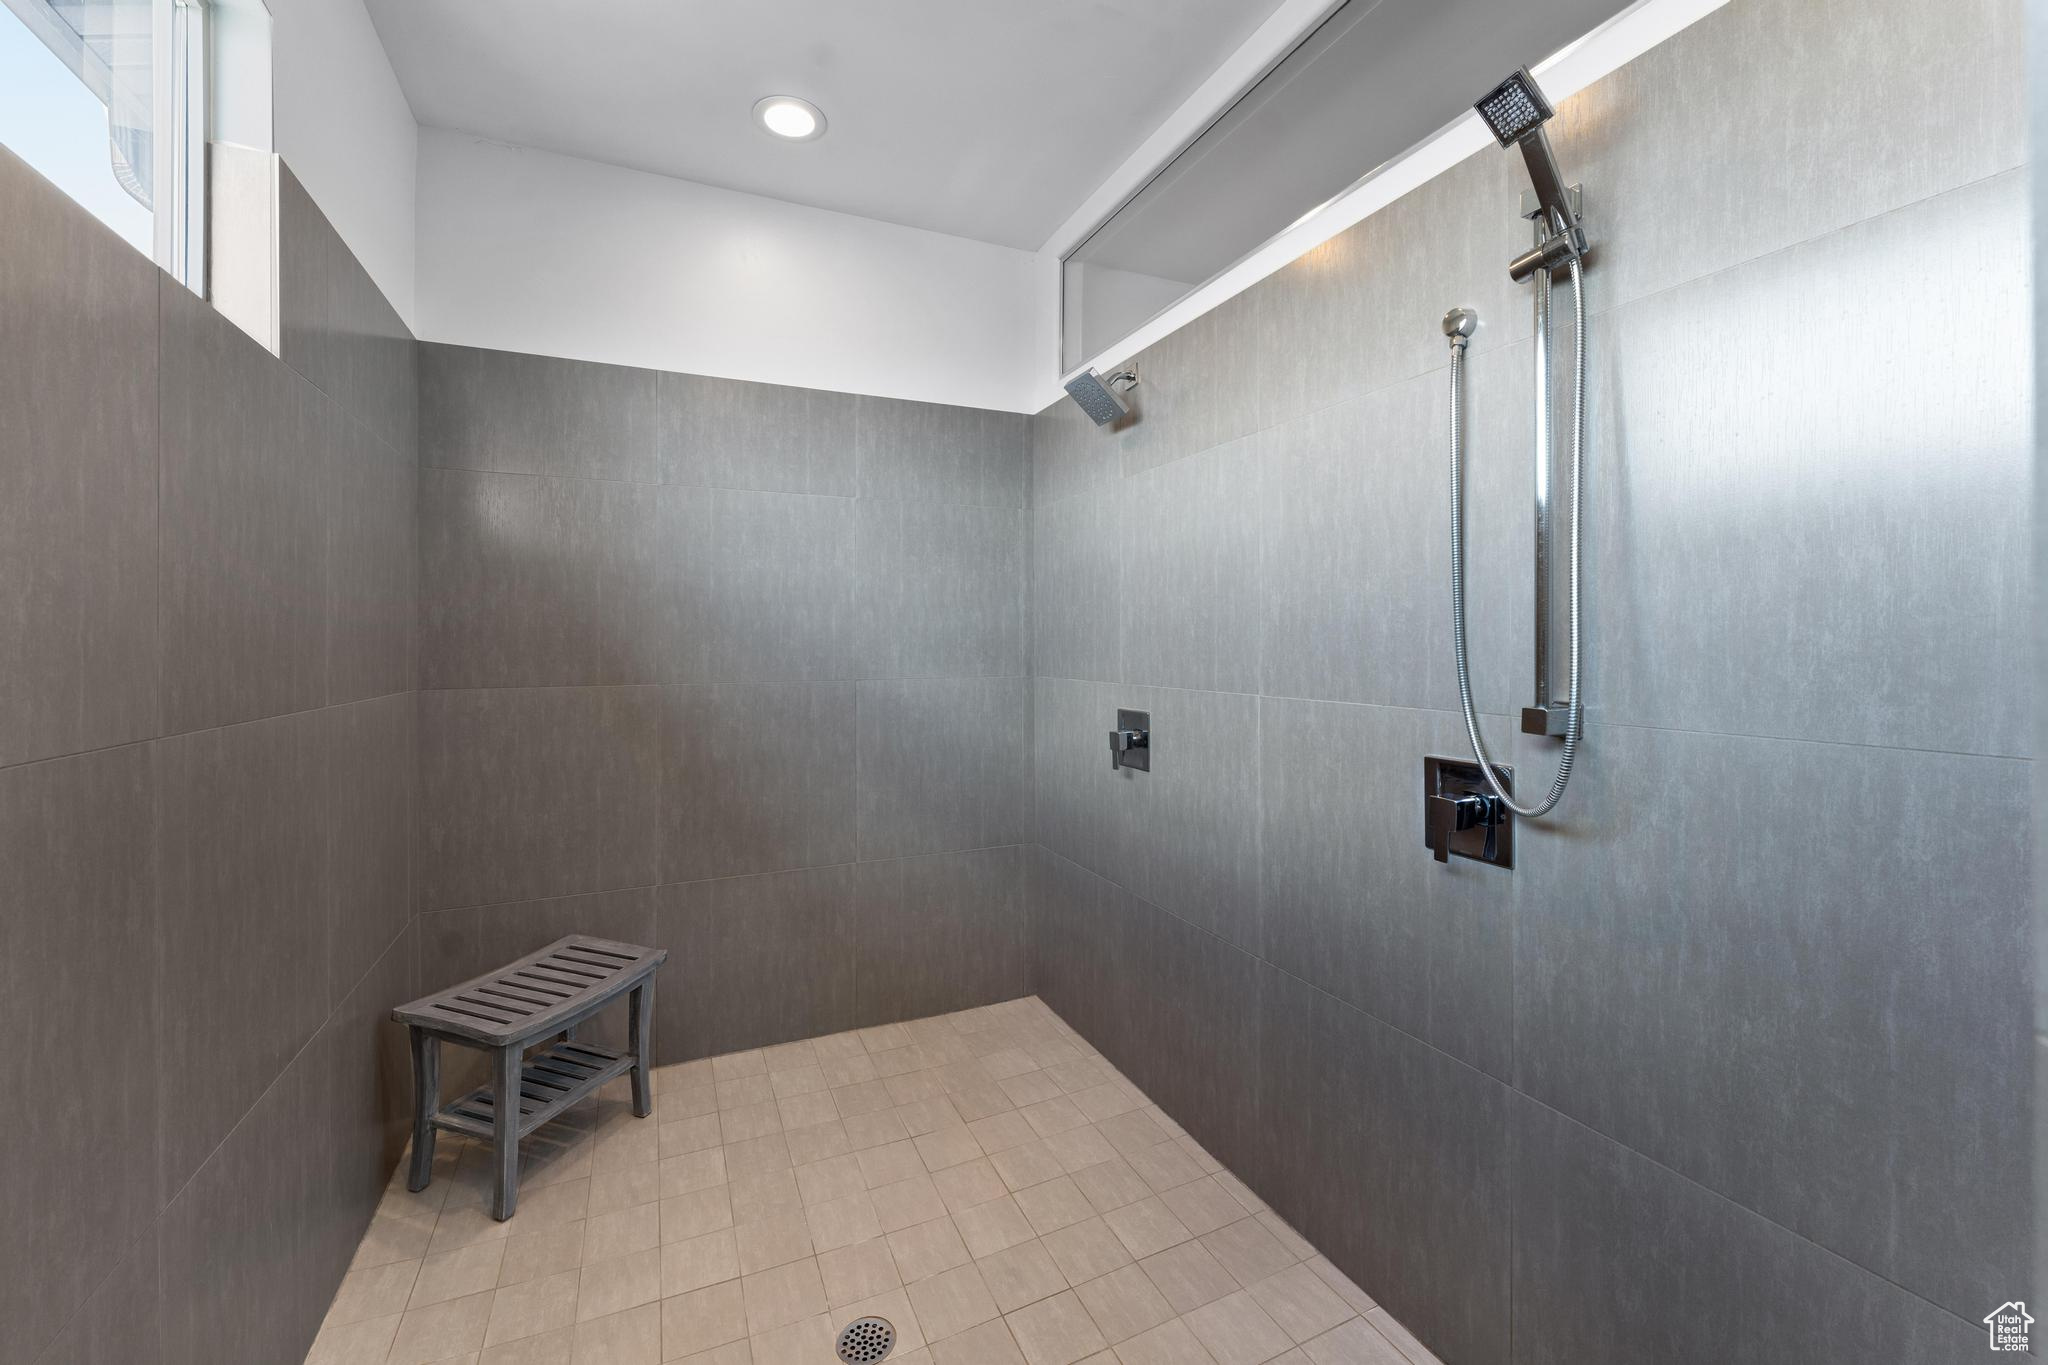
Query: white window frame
[[180, 46]]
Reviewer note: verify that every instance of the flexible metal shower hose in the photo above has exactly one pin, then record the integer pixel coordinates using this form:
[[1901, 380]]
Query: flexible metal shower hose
[[1571, 732]]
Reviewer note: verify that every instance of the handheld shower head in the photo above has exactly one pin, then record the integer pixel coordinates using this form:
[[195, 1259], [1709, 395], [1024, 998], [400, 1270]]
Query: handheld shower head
[[1515, 112], [1102, 399]]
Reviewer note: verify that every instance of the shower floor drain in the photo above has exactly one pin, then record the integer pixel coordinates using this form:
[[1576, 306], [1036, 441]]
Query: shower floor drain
[[866, 1340]]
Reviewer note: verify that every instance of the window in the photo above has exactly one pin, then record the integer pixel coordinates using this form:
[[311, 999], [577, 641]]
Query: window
[[106, 98]]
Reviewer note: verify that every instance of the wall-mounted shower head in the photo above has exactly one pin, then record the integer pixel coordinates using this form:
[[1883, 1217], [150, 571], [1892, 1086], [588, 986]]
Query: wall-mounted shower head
[[1102, 399], [1515, 112]]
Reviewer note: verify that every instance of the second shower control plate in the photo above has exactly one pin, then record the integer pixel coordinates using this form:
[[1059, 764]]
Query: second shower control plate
[[1461, 817], [1130, 744]]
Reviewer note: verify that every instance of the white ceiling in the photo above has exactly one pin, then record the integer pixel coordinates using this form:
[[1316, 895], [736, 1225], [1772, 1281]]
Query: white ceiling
[[990, 119]]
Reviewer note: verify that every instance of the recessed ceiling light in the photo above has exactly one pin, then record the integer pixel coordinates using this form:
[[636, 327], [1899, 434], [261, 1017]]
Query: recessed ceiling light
[[790, 118]]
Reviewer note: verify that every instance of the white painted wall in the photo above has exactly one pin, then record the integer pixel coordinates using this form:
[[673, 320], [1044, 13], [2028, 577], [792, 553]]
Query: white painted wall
[[529, 251], [342, 124]]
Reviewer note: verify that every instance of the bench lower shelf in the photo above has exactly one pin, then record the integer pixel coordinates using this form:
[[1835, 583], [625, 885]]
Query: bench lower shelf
[[550, 1081]]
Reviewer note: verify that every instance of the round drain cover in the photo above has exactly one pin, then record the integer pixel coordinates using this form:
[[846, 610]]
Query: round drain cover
[[866, 1340]]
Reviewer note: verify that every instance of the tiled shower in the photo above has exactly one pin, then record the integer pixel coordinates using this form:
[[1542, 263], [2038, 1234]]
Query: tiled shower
[[344, 674]]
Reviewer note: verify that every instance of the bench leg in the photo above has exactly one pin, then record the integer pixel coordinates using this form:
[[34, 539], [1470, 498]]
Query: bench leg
[[426, 1099], [507, 1065], [640, 1038]]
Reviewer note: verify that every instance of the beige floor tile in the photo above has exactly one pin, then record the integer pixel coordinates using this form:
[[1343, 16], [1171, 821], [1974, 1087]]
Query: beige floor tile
[[1240, 1191], [1296, 1244], [833, 1178], [1170, 1343], [766, 1153], [929, 1116], [753, 1121], [979, 1101], [899, 1061], [1146, 1227], [1236, 1331], [528, 1310], [875, 1129], [686, 1102], [1203, 1206], [817, 1142], [969, 1183], [1010, 1062], [427, 1335], [732, 1065], [1054, 1205], [1123, 1304], [1055, 1331], [988, 1344], [890, 1163], [629, 1338], [952, 1301], [1164, 1166], [993, 1226], [607, 1235], [782, 1294], [842, 1222], [884, 1037], [846, 1071], [1000, 1132], [1032, 1163], [1384, 1324], [745, 1092], [836, 1045], [460, 1228], [800, 1343], [457, 1274], [1353, 1343], [1056, 1115], [860, 1271], [733, 1353], [907, 1202], [1358, 1299], [1022, 1274], [805, 1111], [394, 1239], [925, 1249], [549, 1348], [691, 1135], [1078, 1075], [1248, 1251], [1027, 1088], [623, 1282], [1101, 1102], [1133, 1132], [907, 1087], [1189, 1276], [789, 1056], [1079, 1148], [696, 1213], [1112, 1184], [1086, 1249], [1300, 1302], [374, 1292], [763, 1194], [774, 1239], [698, 1261], [367, 1342], [703, 1318], [805, 1079], [691, 1171], [611, 1191], [535, 1255]]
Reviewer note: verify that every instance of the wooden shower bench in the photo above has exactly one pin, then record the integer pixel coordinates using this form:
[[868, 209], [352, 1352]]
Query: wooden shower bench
[[544, 995]]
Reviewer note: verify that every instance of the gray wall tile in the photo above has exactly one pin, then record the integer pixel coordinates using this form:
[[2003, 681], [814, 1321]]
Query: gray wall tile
[[1868, 509], [727, 433], [1070, 455], [241, 849], [530, 793], [336, 328], [757, 778], [1197, 387], [1189, 600], [78, 489], [361, 1109], [1077, 588], [943, 590], [372, 503], [1355, 905], [785, 584], [77, 975], [242, 564], [1189, 828], [1074, 790], [945, 763], [526, 414], [120, 1322], [1617, 1258], [373, 774], [756, 960], [1820, 1022], [937, 933], [932, 452]]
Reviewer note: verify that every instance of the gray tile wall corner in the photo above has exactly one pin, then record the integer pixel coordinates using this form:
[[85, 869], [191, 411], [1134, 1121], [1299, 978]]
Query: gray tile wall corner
[[1649, 1001], [211, 826]]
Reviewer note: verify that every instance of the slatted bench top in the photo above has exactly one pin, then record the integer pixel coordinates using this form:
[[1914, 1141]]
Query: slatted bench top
[[536, 995]]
